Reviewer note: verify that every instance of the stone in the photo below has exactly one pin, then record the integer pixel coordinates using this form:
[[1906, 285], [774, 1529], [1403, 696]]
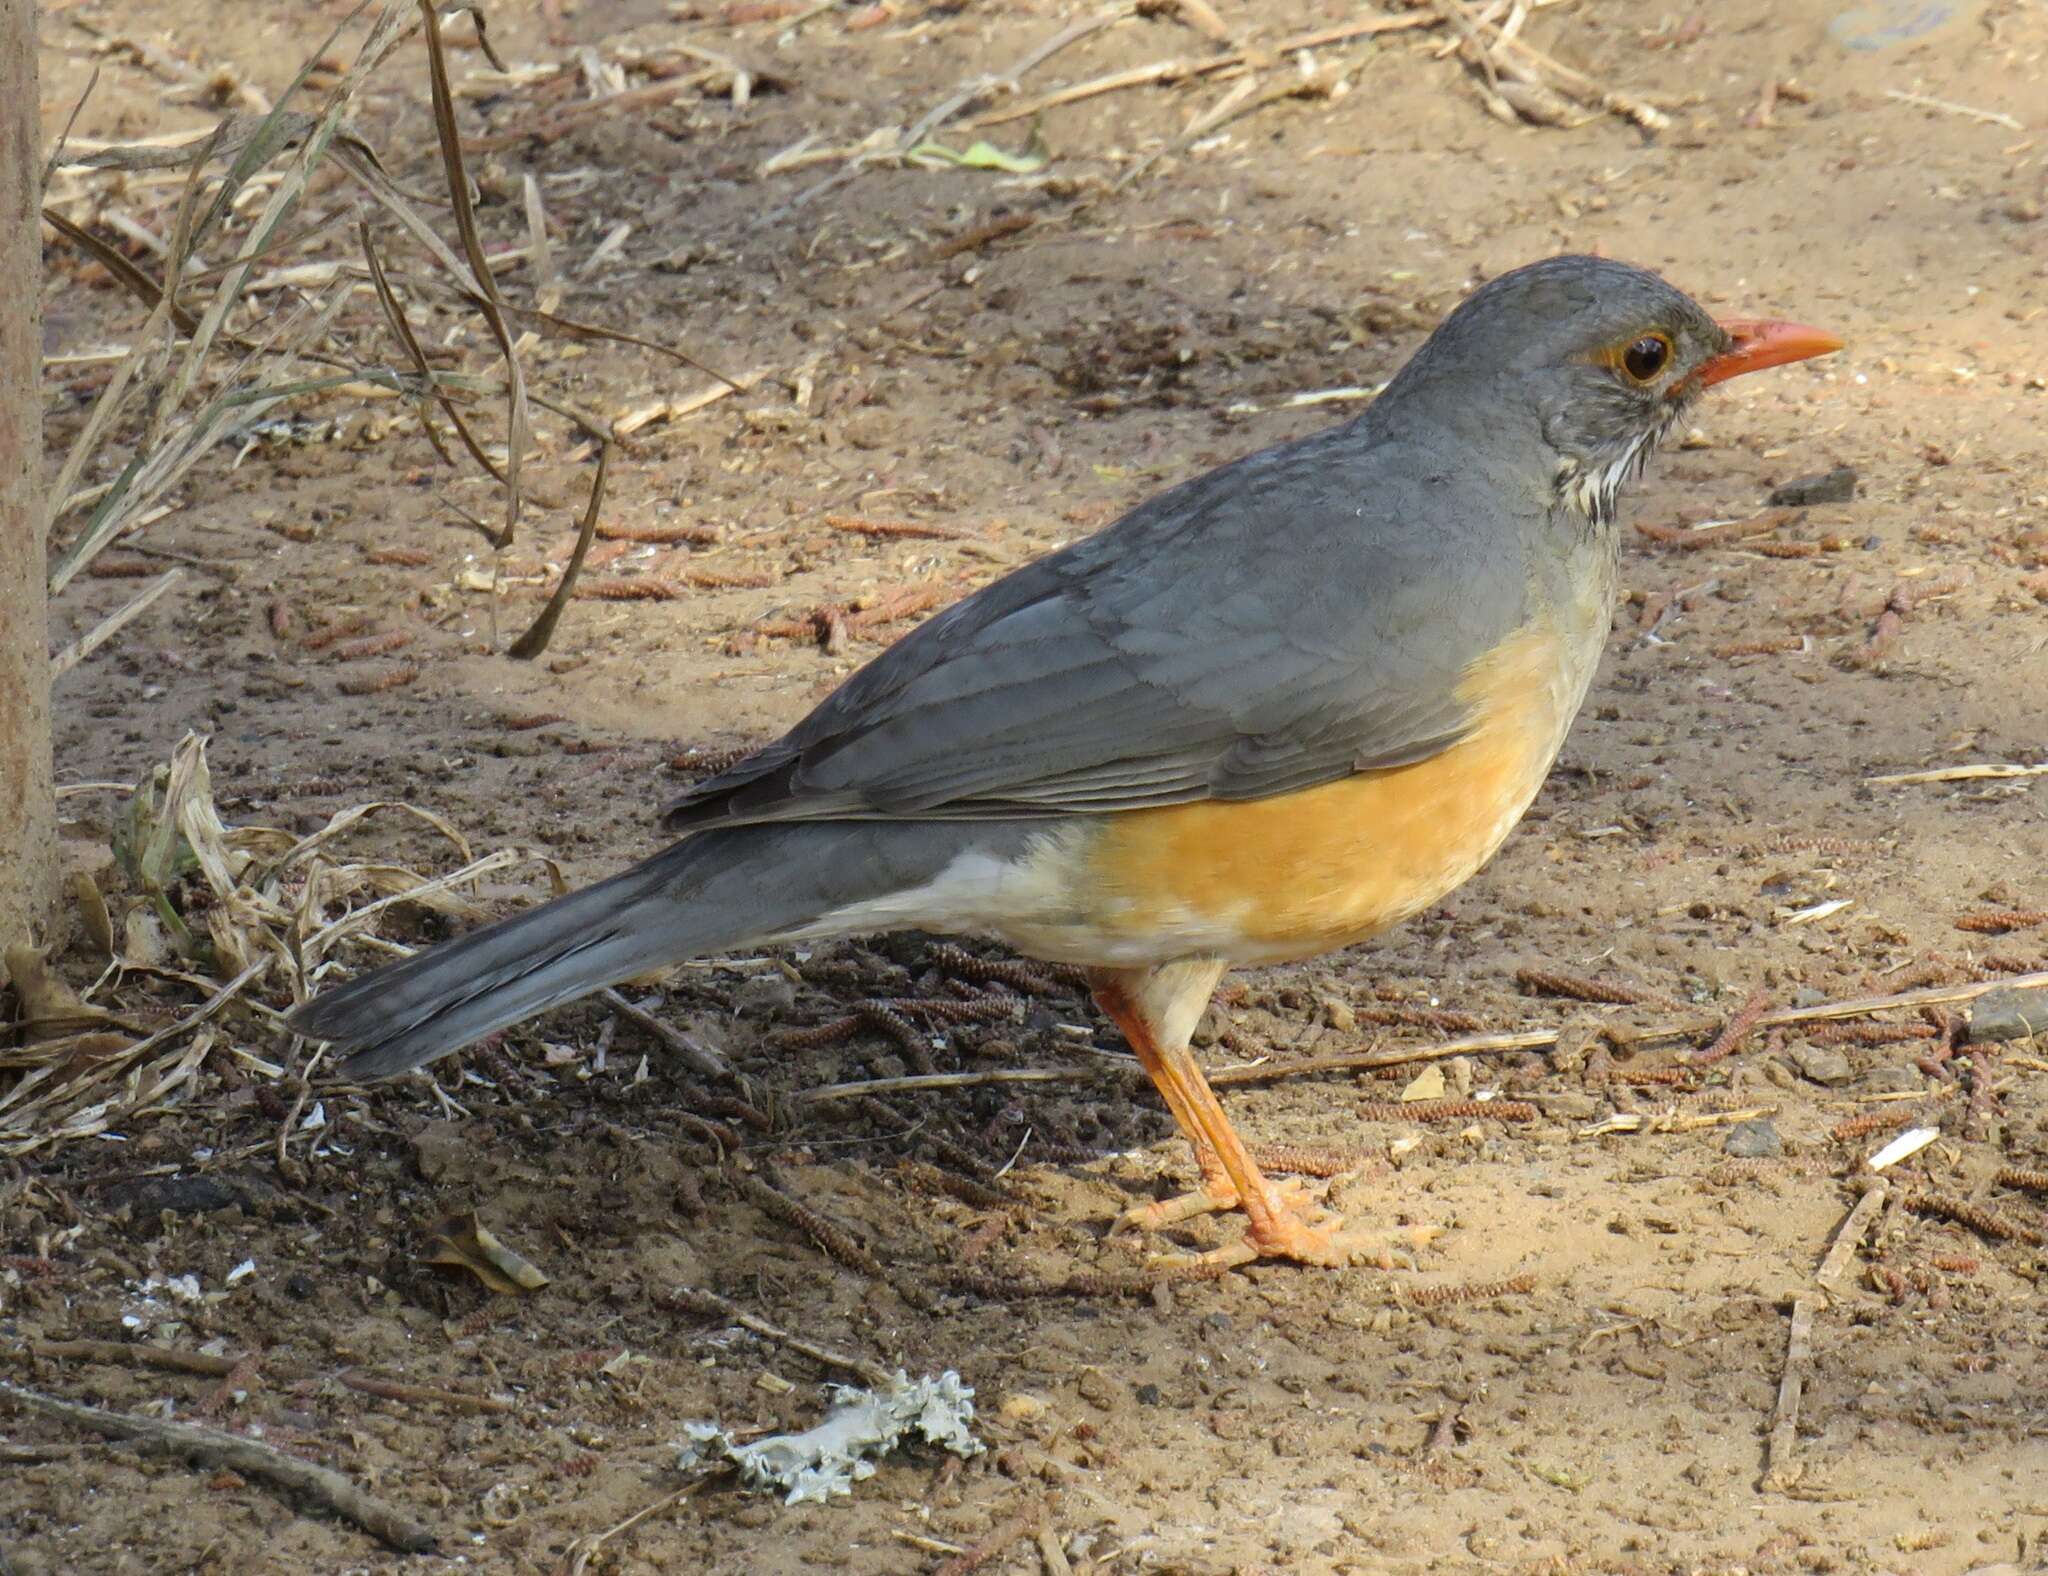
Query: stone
[[1822, 1064], [441, 1150], [770, 994], [1835, 486], [2009, 1015], [1754, 1140]]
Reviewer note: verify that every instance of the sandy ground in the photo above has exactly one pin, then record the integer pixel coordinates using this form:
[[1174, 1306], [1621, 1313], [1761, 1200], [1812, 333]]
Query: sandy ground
[[1581, 1372]]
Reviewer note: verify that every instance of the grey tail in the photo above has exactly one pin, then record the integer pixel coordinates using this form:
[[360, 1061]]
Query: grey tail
[[709, 893]]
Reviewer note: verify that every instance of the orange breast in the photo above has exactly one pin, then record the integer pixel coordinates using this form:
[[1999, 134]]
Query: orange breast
[[1308, 872]]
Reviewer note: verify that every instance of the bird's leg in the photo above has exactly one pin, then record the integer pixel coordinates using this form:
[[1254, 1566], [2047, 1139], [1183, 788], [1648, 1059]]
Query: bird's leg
[[1157, 1010]]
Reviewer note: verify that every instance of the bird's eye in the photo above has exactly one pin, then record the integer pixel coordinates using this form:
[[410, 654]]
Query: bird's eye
[[1644, 359]]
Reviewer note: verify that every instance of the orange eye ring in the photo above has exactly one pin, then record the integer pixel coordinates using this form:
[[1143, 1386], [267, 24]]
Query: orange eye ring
[[1645, 356]]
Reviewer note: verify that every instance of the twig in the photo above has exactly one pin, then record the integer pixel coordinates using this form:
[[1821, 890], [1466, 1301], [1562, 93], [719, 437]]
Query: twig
[[1174, 70], [1950, 107], [1849, 1236], [694, 1053], [714, 1306], [424, 1395], [1779, 1471], [209, 1447], [135, 1354], [993, 1075], [584, 1549], [1953, 774], [1466, 1045], [1356, 1061]]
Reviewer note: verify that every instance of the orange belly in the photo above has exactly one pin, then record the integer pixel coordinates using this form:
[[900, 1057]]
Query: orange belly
[[1312, 871]]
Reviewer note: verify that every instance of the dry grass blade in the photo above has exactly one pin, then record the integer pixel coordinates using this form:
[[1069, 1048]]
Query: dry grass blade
[[576, 329], [173, 441], [143, 365], [67, 659], [518, 422], [535, 640], [401, 327], [170, 448], [55, 161], [132, 279]]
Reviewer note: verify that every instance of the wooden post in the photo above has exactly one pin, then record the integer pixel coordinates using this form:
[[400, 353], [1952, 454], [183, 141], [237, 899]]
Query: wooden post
[[28, 811]]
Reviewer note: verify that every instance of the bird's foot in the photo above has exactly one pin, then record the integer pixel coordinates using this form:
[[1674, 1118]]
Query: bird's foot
[[1321, 1238], [1216, 1196], [1287, 1223]]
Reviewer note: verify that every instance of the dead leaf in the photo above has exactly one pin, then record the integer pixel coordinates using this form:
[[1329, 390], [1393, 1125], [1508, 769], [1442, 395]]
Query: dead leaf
[[463, 1242], [92, 912], [49, 1007]]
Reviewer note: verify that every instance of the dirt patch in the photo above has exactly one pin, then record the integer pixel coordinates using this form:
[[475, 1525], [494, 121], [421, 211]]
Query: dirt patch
[[1582, 1372]]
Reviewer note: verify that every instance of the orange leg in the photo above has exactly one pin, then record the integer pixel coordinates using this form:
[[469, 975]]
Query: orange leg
[[1157, 1010]]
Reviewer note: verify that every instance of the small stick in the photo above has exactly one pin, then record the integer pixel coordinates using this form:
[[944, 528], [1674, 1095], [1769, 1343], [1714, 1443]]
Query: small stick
[[1172, 70], [1950, 107], [110, 626], [1779, 1471], [710, 1304], [1954, 774], [1849, 1236], [1049, 1550], [1691, 537], [694, 1053], [209, 1447], [585, 1548], [1447, 1110], [1401, 1056], [424, 1395], [993, 1075], [134, 1354]]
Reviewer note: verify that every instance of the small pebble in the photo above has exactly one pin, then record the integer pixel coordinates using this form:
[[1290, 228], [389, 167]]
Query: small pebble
[[1822, 1064], [1835, 486], [1755, 1140], [768, 994], [2009, 1015]]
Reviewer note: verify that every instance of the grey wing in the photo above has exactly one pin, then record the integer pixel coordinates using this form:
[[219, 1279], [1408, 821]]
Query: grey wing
[[1207, 646]]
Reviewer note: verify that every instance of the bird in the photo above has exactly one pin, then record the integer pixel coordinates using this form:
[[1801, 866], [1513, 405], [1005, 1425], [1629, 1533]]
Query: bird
[[1268, 713]]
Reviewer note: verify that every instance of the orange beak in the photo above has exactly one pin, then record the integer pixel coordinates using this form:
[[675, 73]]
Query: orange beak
[[1760, 344]]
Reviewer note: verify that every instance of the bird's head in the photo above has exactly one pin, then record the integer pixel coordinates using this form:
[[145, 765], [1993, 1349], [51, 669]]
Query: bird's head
[[1599, 358]]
